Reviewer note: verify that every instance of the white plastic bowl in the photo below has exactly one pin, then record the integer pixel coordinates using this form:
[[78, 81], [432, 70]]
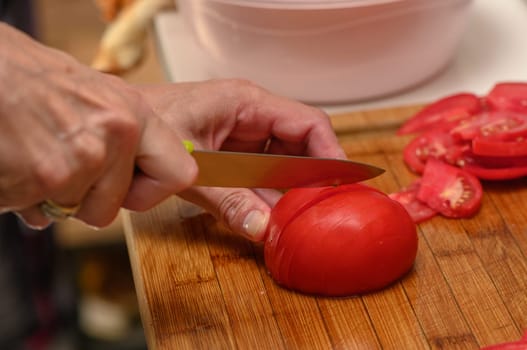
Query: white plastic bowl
[[327, 51]]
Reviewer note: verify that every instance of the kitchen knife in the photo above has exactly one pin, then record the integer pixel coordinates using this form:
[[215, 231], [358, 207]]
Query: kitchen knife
[[256, 170]]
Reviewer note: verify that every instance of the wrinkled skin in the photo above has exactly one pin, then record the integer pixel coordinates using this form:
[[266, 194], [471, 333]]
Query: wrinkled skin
[[236, 115], [73, 135]]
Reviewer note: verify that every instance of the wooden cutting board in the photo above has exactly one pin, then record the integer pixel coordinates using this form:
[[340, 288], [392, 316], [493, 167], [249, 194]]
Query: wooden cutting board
[[201, 287]]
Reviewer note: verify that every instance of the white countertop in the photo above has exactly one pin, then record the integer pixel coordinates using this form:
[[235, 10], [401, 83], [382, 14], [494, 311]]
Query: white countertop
[[494, 48]]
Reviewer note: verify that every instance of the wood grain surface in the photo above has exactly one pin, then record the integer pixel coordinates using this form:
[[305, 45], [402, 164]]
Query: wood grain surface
[[201, 287]]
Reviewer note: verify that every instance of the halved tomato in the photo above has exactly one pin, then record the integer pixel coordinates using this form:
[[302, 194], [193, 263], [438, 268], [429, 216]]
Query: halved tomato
[[450, 190], [338, 241], [443, 114], [510, 96], [418, 210]]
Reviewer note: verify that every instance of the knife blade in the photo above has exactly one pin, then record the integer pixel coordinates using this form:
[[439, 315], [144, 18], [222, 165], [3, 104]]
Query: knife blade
[[257, 170]]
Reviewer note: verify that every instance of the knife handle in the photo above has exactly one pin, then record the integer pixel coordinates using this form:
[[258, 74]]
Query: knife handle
[[188, 145]]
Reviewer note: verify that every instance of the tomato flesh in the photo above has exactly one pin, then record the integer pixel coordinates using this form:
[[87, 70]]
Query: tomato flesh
[[433, 144], [418, 210], [450, 190], [493, 124], [443, 113]]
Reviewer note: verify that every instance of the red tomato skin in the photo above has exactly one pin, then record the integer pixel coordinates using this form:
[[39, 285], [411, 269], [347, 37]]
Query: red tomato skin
[[496, 174], [495, 168], [354, 241], [443, 113], [297, 201], [286, 210], [486, 146], [510, 96], [418, 210]]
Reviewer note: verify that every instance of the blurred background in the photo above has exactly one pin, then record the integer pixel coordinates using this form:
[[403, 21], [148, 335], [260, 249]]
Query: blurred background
[[69, 287]]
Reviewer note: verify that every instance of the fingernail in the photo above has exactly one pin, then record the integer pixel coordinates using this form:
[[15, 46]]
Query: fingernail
[[255, 224]]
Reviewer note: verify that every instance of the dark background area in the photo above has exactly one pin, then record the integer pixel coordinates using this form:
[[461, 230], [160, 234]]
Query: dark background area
[[69, 287]]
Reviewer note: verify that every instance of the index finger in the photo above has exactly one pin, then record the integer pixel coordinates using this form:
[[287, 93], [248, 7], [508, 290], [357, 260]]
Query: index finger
[[293, 127]]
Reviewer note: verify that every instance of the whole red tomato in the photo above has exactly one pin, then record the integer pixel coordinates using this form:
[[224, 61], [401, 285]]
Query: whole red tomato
[[338, 241]]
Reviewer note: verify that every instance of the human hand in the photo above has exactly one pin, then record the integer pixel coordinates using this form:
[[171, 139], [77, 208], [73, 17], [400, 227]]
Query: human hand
[[73, 135], [236, 115]]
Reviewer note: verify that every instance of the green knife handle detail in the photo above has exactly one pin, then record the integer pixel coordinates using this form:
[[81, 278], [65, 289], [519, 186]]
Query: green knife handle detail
[[188, 145]]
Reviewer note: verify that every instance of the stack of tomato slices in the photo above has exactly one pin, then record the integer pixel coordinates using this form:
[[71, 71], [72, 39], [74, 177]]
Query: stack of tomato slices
[[459, 140]]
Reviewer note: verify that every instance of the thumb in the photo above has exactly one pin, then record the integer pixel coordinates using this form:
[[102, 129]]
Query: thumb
[[240, 209]]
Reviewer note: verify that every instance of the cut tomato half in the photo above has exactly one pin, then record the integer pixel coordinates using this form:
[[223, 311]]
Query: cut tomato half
[[338, 241], [451, 191], [443, 114]]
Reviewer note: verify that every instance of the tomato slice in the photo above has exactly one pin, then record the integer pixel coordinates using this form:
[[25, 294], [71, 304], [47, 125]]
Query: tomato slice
[[418, 210], [510, 96], [443, 114], [433, 144], [502, 125], [486, 146], [450, 190], [494, 168]]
